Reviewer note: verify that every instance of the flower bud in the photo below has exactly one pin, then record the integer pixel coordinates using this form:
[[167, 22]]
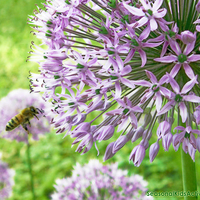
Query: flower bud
[[109, 154], [147, 119], [86, 144], [84, 126], [105, 132], [77, 119], [137, 155], [57, 54], [52, 65], [163, 128], [198, 143], [153, 151], [188, 37], [97, 106], [198, 7], [147, 135], [145, 143], [177, 139], [130, 134], [138, 133], [167, 140], [119, 143], [197, 116]]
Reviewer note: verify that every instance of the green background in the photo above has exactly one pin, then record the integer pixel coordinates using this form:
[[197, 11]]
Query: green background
[[52, 156]]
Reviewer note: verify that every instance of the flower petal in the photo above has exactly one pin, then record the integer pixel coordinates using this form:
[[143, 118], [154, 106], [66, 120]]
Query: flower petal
[[175, 47], [165, 92], [143, 57], [133, 10], [157, 4], [183, 111], [133, 119], [167, 59], [151, 76], [160, 13], [166, 107], [192, 98], [180, 128], [140, 22], [193, 58], [151, 45], [175, 70], [128, 82], [126, 70], [188, 70], [189, 47], [198, 28], [174, 85], [189, 85], [164, 49], [129, 56], [164, 79], [145, 4], [153, 24], [158, 101], [118, 90], [143, 83], [145, 33]]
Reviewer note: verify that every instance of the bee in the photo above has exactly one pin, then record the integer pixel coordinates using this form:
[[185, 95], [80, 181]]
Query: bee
[[23, 118]]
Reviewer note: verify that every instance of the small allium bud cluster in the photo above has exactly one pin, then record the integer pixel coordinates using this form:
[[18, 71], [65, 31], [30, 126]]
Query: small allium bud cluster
[[12, 104], [93, 181], [118, 67]]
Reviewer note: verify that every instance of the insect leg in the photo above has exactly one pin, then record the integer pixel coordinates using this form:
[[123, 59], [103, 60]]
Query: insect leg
[[28, 122], [35, 116], [41, 111], [25, 127]]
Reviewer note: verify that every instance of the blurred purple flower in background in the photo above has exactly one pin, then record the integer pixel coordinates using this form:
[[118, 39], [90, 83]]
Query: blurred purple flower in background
[[12, 104], [118, 68], [6, 181], [94, 181]]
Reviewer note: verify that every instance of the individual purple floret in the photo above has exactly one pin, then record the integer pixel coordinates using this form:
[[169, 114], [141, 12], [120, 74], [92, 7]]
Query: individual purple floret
[[6, 181], [114, 69], [12, 104], [94, 181]]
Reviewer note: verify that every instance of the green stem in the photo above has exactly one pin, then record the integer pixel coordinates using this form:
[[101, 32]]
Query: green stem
[[188, 176], [30, 170]]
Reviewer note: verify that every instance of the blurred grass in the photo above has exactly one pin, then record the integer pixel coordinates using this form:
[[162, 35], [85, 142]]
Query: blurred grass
[[15, 43], [52, 156]]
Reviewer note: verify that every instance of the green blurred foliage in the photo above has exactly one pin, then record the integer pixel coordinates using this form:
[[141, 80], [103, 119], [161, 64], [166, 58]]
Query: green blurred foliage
[[52, 156], [15, 43]]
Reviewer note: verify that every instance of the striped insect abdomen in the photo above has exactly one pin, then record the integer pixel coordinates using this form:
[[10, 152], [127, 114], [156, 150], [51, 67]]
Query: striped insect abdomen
[[14, 122]]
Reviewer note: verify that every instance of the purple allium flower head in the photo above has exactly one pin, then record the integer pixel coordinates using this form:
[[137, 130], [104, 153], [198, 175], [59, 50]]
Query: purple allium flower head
[[117, 68], [12, 104], [95, 181], [6, 181]]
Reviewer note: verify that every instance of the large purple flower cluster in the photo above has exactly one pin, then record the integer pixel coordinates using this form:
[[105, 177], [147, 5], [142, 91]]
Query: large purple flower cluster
[[114, 66], [93, 181]]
